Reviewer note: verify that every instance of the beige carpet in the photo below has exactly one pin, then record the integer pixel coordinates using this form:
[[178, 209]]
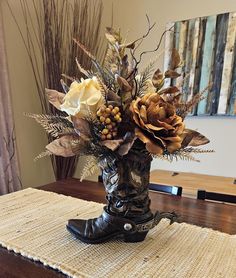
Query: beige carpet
[[32, 223]]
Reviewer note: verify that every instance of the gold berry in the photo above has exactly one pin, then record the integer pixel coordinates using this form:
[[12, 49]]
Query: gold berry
[[109, 126], [108, 121], [109, 136], [117, 117], [103, 137], [99, 113], [102, 119], [113, 112], [119, 120], [110, 106], [108, 110], [105, 131]]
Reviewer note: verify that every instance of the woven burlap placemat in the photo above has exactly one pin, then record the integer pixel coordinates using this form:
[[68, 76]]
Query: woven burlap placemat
[[32, 223]]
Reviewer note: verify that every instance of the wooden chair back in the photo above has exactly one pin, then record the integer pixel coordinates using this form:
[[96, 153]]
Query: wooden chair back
[[170, 189], [203, 195]]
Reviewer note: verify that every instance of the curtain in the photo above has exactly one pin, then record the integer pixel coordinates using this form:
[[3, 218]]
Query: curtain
[[9, 171]]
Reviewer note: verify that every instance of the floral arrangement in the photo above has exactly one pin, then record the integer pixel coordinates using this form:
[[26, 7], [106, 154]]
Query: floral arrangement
[[116, 105]]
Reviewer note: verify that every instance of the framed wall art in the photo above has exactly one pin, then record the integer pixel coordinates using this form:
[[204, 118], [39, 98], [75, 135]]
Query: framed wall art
[[207, 48]]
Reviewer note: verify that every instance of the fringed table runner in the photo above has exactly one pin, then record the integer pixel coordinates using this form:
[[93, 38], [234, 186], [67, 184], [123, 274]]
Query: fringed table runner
[[32, 223]]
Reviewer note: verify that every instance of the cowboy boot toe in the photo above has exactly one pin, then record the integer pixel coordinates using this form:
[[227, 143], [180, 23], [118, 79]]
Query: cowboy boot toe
[[76, 226]]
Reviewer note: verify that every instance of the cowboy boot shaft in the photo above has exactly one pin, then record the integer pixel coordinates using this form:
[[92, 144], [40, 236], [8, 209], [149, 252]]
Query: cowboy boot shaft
[[126, 183]]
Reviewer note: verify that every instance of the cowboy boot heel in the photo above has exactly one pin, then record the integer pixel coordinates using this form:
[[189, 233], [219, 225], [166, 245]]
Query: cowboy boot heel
[[135, 237]]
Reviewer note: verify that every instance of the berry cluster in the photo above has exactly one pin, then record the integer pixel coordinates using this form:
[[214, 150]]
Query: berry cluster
[[110, 117]]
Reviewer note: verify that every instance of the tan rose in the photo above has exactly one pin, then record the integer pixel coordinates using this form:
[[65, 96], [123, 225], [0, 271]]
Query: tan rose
[[83, 98], [158, 125]]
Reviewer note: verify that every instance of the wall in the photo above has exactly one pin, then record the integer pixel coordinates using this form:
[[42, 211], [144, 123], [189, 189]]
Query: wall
[[220, 130]]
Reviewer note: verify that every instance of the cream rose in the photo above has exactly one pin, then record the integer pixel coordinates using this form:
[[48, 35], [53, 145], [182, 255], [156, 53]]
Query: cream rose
[[83, 98]]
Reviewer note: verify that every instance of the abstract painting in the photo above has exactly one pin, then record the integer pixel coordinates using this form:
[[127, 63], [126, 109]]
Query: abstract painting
[[207, 48]]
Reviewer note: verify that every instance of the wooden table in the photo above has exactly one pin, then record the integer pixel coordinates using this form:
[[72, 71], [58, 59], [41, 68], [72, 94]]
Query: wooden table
[[214, 215]]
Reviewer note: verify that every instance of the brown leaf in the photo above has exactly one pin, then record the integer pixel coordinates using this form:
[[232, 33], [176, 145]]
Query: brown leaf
[[112, 96], [62, 146], [157, 74], [157, 79], [84, 49], [123, 83], [171, 74], [113, 99], [124, 148], [175, 99], [55, 98], [175, 59], [125, 65], [112, 144], [81, 126], [169, 90], [193, 138], [130, 45]]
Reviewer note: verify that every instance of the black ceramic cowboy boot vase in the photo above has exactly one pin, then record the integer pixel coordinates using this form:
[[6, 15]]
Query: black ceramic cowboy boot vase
[[127, 214]]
